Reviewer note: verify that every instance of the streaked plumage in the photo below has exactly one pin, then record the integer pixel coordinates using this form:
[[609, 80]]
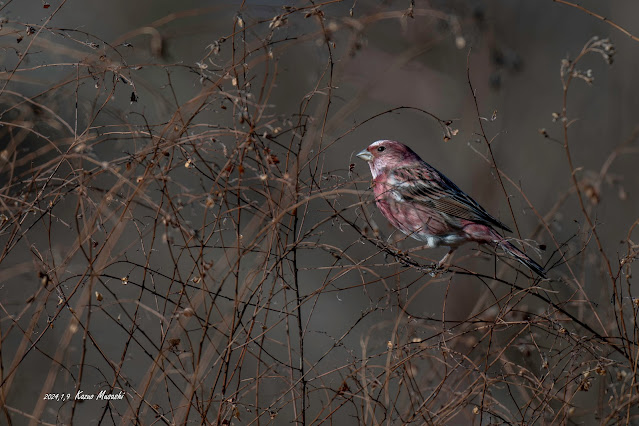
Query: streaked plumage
[[426, 205]]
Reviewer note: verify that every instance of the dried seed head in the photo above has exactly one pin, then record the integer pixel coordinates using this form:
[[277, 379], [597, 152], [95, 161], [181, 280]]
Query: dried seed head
[[277, 22]]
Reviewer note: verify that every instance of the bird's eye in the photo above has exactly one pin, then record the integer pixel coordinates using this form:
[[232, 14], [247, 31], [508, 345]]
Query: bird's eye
[[381, 148]]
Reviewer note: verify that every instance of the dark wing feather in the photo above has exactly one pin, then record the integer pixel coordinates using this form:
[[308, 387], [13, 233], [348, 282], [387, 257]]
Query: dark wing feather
[[425, 185]]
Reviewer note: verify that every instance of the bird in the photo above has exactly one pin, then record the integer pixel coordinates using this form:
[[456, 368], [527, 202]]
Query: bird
[[424, 204]]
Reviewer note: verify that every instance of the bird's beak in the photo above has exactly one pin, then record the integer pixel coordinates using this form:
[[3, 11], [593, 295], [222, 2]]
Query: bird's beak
[[365, 155]]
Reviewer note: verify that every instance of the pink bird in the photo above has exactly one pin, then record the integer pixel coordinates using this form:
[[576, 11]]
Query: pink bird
[[426, 205]]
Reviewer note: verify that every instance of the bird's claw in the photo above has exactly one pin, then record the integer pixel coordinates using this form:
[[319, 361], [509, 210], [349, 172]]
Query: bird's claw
[[438, 269]]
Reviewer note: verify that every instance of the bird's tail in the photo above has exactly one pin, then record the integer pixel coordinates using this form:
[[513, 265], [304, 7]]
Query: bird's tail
[[514, 252]]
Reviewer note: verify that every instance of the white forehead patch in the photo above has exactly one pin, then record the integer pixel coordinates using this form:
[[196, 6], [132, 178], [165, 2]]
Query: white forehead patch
[[379, 142]]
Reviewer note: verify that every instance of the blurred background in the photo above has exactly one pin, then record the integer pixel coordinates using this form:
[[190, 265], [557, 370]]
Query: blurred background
[[183, 218]]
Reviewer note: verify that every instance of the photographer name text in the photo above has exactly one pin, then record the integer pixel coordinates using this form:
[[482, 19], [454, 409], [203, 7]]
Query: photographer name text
[[102, 395]]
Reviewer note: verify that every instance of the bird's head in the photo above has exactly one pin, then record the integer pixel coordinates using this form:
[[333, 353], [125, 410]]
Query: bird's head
[[386, 155]]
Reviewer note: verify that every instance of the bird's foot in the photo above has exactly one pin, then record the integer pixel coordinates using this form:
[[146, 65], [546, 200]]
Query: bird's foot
[[438, 269], [443, 265]]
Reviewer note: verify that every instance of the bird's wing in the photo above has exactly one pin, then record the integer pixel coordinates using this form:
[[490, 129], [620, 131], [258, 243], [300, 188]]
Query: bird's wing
[[425, 185]]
